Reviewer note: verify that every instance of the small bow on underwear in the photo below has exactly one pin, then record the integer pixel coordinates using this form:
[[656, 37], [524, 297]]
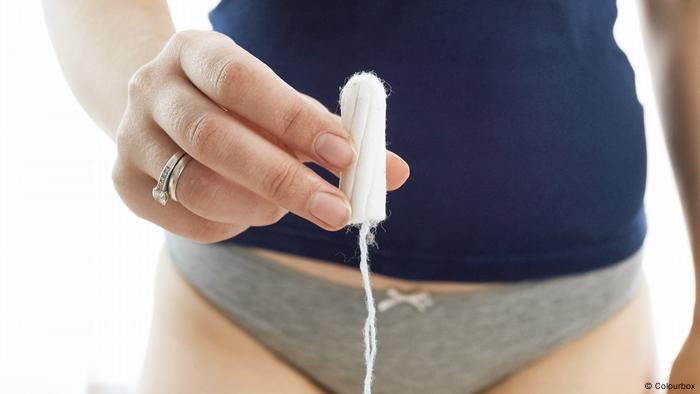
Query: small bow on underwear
[[421, 301]]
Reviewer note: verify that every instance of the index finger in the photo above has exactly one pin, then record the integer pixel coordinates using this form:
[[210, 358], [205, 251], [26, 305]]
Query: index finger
[[239, 82]]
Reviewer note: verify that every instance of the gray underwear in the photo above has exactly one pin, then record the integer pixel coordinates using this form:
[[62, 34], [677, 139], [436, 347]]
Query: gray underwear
[[427, 343]]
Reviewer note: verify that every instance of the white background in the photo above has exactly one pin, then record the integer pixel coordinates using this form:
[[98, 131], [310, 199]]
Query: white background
[[76, 267]]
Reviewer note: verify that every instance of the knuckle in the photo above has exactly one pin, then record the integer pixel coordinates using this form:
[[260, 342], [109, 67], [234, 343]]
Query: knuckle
[[276, 183], [183, 37], [315, 102], [142, 80], [220, 36], [180, 119], [291, 116], [232, 75], [202, 135], [271, 215]]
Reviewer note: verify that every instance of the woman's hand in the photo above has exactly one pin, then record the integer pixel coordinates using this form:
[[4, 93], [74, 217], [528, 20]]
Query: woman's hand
[[248, 132]]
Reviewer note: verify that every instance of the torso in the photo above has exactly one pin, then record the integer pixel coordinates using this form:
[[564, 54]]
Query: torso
[[519, 120], [509, 159]]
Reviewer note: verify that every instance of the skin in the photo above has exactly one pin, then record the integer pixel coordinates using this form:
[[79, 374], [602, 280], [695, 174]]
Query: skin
[[672, 29], [187, 332], [154, 91], [248, 131]]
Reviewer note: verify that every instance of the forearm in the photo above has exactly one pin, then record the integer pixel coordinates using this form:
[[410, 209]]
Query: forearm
[[673, 36], [100, 43]]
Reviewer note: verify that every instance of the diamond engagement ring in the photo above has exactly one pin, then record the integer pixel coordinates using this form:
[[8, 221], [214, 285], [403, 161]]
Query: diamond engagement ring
[[160, 191]]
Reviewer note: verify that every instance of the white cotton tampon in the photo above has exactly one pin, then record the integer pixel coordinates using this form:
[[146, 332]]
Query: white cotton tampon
[[363, 114]]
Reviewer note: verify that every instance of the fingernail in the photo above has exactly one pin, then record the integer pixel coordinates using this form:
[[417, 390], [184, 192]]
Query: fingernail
[[330, 209], [334, 149]]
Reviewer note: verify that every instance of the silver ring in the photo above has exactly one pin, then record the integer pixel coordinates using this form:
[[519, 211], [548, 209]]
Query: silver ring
[[175, 176], [160, 191]]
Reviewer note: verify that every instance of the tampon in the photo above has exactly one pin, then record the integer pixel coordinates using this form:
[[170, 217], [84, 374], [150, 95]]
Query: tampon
[[363, 114]]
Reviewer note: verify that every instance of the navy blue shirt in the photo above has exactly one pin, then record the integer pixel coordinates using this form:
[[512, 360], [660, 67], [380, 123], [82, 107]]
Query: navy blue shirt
[[519, 119]]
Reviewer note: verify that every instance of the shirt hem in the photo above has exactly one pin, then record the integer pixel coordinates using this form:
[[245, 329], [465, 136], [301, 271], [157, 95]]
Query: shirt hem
[[460, 268]]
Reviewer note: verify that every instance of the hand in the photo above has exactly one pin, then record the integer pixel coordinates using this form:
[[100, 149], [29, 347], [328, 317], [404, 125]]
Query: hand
[[248, 133], [686, 368]]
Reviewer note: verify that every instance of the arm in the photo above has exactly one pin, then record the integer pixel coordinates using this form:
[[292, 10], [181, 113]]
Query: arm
[[157, 92], [672, 32], [101, 43]]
